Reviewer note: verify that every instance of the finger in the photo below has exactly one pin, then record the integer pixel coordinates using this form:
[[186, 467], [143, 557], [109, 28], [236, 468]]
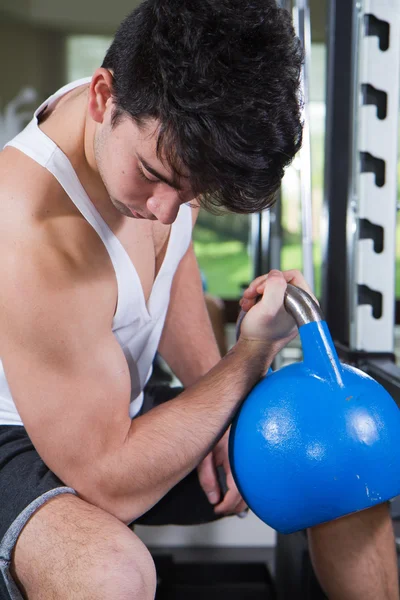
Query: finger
[[273, 292], [246, 304], [231, 499], [270, 306], [251, 294], [241, 508], [255, 290], [296, 277], [208, 479], [250, 291]]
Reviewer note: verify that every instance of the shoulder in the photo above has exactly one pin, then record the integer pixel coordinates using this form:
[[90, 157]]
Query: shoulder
[[35, 208], [43, 237]]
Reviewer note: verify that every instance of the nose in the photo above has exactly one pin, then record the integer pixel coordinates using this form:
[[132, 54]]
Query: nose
[[164, 206]]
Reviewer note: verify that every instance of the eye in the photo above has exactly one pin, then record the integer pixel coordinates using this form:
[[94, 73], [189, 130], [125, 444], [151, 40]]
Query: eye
[[143, 176]]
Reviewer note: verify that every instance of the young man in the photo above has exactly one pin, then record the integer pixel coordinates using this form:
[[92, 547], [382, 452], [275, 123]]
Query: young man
[[196, 103]]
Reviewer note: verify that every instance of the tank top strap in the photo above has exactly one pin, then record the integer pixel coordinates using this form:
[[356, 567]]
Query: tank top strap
[[59, 94], [33, 142]]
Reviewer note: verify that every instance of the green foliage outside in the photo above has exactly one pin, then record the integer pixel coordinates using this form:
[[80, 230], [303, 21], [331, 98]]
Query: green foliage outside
[[227, 266], [224, 262]]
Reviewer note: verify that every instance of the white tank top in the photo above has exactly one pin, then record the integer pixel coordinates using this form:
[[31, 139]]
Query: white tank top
[[136, 326]]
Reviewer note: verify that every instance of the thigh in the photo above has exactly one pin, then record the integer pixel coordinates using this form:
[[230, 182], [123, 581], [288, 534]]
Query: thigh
[[72, 549], [25, 485], [52, 540]]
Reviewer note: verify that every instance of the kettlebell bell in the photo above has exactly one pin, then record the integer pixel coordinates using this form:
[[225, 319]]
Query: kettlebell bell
[[315, 440]]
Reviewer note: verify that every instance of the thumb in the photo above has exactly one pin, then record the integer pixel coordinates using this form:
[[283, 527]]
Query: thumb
[[273, 293]]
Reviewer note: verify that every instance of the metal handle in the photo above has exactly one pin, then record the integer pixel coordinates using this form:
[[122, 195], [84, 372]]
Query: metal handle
[[301, 306]]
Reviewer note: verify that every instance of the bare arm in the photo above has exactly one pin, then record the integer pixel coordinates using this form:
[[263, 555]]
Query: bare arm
[[70, 382], [188, 344]]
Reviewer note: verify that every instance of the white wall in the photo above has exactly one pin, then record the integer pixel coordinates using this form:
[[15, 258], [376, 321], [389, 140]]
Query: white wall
[[89, 16], [103, 16], [31, 57], [231, 531], [17, 8]]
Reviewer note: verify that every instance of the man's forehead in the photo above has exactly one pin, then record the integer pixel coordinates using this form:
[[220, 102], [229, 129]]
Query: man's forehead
[[153, 154]]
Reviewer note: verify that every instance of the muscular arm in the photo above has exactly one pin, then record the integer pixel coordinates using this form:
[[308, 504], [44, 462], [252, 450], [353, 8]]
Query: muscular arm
[[188, 344], [70, 382], [189, 347]]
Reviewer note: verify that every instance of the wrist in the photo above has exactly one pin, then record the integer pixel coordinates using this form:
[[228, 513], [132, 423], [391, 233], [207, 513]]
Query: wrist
[[253, 348]]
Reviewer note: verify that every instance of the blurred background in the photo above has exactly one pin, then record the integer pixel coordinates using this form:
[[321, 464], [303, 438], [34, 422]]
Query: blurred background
[[45, 44]]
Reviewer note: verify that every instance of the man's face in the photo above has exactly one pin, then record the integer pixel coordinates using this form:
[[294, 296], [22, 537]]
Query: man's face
[[139, 185]]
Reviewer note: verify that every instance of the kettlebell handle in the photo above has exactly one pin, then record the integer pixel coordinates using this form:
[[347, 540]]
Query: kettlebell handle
[[319, 351], [301, 306]]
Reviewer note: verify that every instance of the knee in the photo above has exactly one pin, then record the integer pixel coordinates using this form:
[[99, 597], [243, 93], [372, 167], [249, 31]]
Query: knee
[[126, 572]]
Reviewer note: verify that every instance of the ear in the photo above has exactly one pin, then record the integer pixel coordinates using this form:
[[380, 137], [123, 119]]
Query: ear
[[100, 94]]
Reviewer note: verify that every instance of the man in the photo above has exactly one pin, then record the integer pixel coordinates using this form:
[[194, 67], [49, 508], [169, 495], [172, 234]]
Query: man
[[195, 103]]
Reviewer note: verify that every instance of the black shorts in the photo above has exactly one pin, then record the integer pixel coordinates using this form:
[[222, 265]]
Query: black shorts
[[26, 484]]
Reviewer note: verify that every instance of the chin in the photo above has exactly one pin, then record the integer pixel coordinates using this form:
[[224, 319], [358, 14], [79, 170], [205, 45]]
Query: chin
[[121, 208]]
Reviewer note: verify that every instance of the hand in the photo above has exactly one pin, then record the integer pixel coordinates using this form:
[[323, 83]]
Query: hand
[[232, 503], [267, 321]]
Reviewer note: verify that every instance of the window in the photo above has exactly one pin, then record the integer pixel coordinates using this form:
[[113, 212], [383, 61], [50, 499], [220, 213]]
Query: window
[[85, 54]]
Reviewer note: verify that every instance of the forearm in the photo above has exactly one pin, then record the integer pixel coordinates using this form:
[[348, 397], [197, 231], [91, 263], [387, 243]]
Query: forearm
[[164, 445]]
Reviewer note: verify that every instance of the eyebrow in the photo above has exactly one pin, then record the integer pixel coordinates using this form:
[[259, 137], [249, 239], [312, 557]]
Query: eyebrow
[[172, 183]]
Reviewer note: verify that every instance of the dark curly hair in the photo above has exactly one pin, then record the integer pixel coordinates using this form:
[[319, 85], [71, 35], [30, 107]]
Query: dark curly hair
[[222, 77]]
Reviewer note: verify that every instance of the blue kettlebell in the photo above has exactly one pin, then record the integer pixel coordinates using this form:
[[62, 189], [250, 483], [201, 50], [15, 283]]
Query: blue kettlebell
[[315, 440]]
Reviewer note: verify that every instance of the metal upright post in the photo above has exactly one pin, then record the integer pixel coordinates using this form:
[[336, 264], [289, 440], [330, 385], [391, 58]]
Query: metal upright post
[[338, 166], [302, 23], [266, 239]]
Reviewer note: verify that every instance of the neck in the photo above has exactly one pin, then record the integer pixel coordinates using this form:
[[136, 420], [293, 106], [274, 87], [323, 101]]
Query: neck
[[80, 152], [89, 172], [71, 128]]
